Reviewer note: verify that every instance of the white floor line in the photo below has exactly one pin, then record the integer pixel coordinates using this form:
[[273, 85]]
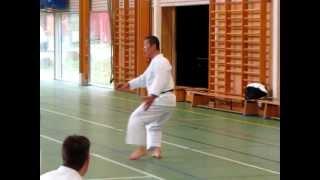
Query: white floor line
[[107, 159], [222, 157], [119, 178], [173, 144], [80, 119]]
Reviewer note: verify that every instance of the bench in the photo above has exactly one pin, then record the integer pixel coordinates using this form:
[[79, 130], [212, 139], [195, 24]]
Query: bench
[[183, 93], [250, 107], [203, 99], [180, 93], [198, 98], [271, 108]]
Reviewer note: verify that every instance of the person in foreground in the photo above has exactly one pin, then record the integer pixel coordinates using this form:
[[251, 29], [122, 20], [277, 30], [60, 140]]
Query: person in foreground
[[75, 155]]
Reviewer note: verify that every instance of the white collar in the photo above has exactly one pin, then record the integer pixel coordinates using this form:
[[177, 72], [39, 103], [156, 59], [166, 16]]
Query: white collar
[[158, 55], [69, 170]]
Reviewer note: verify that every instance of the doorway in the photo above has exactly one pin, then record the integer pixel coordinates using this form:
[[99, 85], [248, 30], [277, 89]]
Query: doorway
[[192, 46]]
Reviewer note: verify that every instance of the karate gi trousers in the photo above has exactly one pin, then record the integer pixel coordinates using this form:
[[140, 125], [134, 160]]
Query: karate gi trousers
[[144, 127]]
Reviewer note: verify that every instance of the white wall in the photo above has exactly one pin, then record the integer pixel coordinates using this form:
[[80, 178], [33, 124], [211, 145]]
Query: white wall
[[156, 26]]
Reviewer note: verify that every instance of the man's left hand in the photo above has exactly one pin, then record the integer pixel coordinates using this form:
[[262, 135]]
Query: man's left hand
[[148, 101]]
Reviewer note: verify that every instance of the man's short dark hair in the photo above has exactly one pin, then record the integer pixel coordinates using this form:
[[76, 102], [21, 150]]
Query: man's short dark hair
[[153, 40], [75, 151]]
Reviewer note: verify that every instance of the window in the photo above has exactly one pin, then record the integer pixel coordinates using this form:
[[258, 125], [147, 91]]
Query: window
[[100, 49], [46, 46], [70, 46]]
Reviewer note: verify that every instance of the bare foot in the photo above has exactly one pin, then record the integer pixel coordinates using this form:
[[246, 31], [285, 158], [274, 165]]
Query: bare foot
[[156, 153], [138, 153]]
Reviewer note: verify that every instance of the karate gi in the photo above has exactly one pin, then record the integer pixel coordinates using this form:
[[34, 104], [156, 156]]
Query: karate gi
[[62, 173], [144, 127]]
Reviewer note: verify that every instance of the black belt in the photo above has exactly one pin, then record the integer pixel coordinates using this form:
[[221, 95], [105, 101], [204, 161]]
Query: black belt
[[170, 90]]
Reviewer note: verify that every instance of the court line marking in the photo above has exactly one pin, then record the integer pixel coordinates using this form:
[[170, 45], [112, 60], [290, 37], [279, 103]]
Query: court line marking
[[256, 140], [205, 114], [133, 177], [172, 144], [107, 159]]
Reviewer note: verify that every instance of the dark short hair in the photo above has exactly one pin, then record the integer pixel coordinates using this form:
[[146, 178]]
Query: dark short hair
[[153, 40], [75, 151]]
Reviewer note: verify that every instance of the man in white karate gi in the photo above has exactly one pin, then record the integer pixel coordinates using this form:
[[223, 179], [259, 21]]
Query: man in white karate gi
[[145, 123]]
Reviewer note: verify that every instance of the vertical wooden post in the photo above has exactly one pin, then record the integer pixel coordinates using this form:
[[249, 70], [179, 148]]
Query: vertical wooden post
[[227, 79], [212, 49], [132, 49], [84, 41], [116, 24], [167, 41], [167, 32], [126, 58], [275, 14], [244, 51], [263, 21], [143, 29], [122, 41]]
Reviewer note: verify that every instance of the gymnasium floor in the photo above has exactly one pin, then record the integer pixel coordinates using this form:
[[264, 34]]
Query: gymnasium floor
[[197, 143]]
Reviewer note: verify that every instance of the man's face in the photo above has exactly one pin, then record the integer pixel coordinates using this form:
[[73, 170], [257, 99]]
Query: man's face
[[147, 49]]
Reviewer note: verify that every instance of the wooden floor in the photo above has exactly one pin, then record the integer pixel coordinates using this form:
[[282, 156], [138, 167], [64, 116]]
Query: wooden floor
[[197, 143]]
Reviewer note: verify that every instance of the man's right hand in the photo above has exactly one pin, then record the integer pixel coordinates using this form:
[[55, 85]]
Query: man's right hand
[[123, 86]]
